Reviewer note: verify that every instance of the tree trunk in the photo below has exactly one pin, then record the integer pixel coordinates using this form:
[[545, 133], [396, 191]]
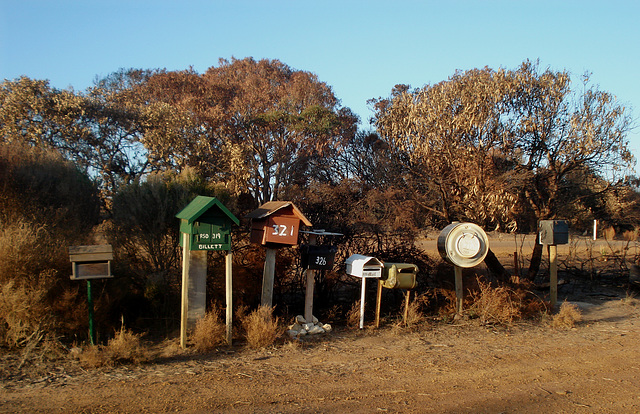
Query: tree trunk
[[496, 268], [536, 259]]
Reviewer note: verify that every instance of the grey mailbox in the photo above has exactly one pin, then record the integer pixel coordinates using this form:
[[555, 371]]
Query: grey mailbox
[[553, 232]]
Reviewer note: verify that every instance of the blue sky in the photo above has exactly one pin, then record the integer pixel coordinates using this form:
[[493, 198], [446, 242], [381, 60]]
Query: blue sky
[[360, 48]]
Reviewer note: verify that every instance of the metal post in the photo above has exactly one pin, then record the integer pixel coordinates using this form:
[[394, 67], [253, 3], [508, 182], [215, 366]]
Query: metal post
[[364, 281], [459, 290], [92, 333]]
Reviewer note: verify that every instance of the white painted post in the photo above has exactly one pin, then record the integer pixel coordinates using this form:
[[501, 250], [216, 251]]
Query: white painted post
[[595, 229], [364, 281]]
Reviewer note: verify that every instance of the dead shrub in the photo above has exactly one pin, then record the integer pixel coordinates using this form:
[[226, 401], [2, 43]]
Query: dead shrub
[[609, 233], [261, 328], [124, 348], [353, 316], [209, 331], [567, 316], [23, 314], [414, 315], [497, 305]]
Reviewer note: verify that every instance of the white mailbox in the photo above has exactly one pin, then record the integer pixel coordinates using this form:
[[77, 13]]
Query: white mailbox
[[364, 266]]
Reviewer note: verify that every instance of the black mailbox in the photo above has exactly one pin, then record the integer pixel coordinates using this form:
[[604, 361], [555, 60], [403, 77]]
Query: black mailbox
[[317, 257]]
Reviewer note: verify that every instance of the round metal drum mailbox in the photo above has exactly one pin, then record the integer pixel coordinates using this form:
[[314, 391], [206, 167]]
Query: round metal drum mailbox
[[463, 244]]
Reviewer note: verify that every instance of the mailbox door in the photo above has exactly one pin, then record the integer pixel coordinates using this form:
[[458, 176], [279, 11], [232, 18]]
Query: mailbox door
[[372, 271], [318, 257], [281, 230], [214, 235]]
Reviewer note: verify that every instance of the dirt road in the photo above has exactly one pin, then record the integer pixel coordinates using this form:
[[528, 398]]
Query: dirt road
[[440, 368]]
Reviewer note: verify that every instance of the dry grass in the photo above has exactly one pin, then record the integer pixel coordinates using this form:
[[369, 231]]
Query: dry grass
[[210, 331], [261, 328], [23, 315], [353, 316], [567, 317], [609, 233], [124, 348], [415, 316], [500, 305]]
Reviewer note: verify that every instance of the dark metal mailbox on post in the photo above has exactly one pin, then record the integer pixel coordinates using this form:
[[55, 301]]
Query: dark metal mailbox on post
[[553, 232], [276, 223], [317, 257], [91, 262]]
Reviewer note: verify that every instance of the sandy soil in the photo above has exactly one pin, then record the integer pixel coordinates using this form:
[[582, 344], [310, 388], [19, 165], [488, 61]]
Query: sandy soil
[[460, 367]]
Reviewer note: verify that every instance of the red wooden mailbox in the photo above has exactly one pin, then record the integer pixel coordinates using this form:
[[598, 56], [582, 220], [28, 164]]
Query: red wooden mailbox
[[276, 223]]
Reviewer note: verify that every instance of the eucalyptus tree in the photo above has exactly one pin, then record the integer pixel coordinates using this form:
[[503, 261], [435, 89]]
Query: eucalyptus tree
[[259, 126], [491, 146], [451, 137], [99, 130]]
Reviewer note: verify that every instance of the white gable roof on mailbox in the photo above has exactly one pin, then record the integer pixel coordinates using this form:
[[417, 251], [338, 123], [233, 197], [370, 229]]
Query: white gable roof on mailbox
[[357, 263]]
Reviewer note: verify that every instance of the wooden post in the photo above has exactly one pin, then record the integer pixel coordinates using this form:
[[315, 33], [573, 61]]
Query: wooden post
[[553, 274], [268, 277], [378, 303], [459, 289], [92, 332], [311, 280], [229, 295], [516, 265], [364, 286], [406, 307], [185, 290]]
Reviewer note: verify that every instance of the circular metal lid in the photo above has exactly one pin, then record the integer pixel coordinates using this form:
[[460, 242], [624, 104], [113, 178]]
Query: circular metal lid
[[463, 244]]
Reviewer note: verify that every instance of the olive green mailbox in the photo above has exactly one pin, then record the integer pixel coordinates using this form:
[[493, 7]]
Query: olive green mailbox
[[205, 224], [208, 223]]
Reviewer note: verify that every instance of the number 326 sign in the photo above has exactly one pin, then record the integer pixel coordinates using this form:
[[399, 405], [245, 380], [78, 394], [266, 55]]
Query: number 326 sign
[[318, 257]]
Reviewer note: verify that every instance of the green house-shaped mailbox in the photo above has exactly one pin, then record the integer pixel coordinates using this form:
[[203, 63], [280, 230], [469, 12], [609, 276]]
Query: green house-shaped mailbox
[[208, 223]]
